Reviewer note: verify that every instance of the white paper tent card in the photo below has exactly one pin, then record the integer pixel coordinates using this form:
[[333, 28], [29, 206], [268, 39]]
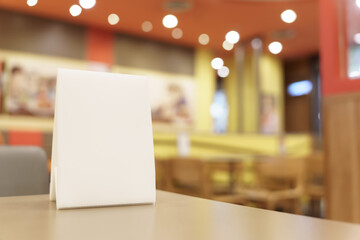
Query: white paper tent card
[[102, 141]]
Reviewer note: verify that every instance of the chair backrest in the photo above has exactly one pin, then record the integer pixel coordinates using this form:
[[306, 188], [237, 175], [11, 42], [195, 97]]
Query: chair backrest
[[285, 170], [186, 171], [315, 168], [315, 175], [23, 171]]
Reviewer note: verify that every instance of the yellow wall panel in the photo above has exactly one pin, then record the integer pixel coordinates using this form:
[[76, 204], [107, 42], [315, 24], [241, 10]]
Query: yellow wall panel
[[231, 88], [205, 78]]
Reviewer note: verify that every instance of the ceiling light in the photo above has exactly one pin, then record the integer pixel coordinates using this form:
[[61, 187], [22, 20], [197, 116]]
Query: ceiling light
[[87, 4], [357, 38], [217, 63], [223, 72], [170, 21], [204, 39], [227, 46], [31, 3], [146, 26], [275, 47], [358, 3], [75, 10], [232, 37], [288, 16], [177, 33], [113, 19]]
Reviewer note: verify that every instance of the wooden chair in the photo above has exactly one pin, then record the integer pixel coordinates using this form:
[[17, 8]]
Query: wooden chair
[[187, 176], [223, 173], [161, 171], [314, 186], [200, 176], [279, 179]]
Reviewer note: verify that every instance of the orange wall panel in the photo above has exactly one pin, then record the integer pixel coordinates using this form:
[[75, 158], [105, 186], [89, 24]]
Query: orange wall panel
[[100, 46], [330, 64], [24, 138]]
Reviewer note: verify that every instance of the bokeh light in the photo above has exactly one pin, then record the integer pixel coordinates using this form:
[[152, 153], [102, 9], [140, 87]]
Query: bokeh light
[[146, 26], [256, 43], [232, 37], [113, 19], [31, 3], [288, 16], [204, 39], [227, 46], [300, 88], [75, 10], [177, 33], [170, 21], [87, 4], [217, 63], [275, 47], [223, 72]]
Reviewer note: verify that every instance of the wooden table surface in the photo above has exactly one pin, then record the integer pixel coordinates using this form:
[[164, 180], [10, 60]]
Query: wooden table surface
[[173, 217]]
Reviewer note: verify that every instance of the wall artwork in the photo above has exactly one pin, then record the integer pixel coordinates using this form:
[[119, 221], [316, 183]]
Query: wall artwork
[[172, 101], [30, 88], [172, 97], [29, 83], [269, 116]]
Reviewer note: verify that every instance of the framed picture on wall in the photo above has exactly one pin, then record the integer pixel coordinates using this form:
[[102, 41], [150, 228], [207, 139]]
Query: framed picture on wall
[[270, 119], [30, 88], [171, 102], [172, 97], [29, 83]]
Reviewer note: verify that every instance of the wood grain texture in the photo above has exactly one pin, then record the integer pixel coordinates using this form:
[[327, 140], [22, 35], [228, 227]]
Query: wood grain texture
[[342, 152]]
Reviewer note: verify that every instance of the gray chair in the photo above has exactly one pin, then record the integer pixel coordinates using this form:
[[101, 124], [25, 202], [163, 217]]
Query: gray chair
[[23, 171]]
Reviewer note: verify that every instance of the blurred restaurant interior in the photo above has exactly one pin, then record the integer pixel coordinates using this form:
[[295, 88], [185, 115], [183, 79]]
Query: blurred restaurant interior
[[253, 102]]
